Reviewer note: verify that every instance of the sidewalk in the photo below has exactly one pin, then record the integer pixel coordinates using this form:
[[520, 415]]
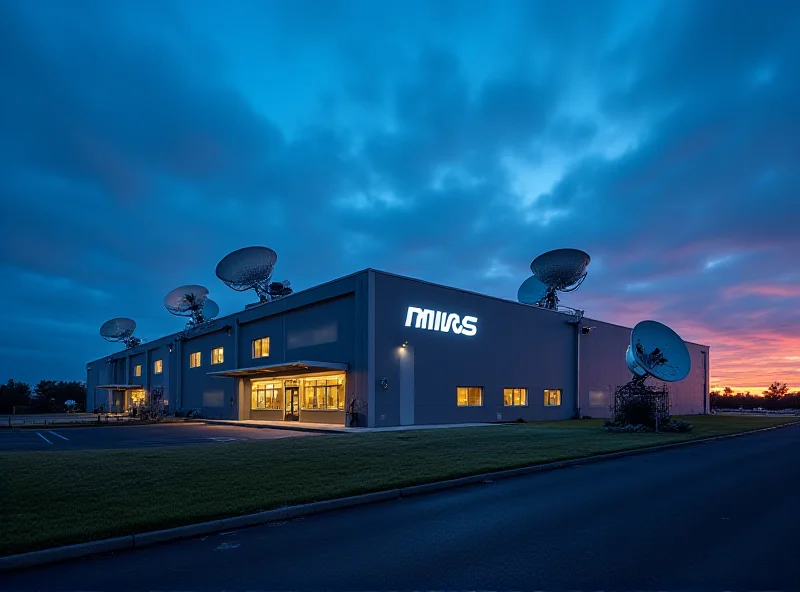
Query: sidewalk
[[330, 428]]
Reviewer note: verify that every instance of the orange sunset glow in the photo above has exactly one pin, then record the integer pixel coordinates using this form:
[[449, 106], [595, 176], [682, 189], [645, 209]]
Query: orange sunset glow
[[747, 327]]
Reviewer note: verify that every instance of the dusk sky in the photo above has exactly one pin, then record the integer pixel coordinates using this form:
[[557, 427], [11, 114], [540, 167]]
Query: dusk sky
[[451, 141]]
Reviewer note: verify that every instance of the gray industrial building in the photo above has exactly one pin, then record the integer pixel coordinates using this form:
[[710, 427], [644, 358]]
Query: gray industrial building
[[390, 350]]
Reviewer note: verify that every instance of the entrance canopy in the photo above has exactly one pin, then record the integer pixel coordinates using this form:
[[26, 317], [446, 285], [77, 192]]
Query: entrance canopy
[[120, 387], [286, 368]]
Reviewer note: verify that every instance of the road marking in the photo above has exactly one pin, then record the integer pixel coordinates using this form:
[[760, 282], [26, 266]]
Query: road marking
[[43, 438], [223, 439], [59, 435]]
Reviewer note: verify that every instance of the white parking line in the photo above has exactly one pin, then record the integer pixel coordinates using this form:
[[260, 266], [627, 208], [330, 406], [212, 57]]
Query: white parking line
[[43, 438], [59, 435]]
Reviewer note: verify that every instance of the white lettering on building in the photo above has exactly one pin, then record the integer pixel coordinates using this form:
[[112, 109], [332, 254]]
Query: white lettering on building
[[437, 320]]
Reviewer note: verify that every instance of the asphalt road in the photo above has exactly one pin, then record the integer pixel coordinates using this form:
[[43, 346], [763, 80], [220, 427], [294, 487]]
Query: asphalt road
[[721, 515], [133, 436]]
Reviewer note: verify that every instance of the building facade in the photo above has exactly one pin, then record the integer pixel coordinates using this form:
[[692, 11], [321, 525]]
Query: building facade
[[376, 349]]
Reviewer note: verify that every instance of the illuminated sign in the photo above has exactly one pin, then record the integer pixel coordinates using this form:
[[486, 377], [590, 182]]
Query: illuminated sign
[[436, 320]]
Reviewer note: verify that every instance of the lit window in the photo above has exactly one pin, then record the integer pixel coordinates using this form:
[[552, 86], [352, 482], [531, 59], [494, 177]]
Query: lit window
[[324, 393], [266, 396], [137, 370], [470, 396], [261, 347], [194, 360], [158, 367], [552, 397], [515, 397], [217, 355], [138, 398]]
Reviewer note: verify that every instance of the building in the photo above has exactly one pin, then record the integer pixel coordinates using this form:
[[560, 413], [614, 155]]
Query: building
[[392, 351]]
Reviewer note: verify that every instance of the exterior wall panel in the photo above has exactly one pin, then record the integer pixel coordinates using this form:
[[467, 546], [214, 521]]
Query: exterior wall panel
[[138, 359], [603, 369], [514, 346], [215, 397], [161, 380]]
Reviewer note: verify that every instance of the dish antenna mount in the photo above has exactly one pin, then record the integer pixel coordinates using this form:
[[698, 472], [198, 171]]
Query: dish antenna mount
[[120, 329], [656, 350], [251, 268], [191, 301], [561, 270]]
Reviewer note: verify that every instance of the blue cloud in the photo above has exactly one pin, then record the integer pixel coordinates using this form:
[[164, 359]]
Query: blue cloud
[[143, 141]]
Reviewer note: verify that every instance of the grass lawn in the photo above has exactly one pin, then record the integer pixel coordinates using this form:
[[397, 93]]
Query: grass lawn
[[59, 498]]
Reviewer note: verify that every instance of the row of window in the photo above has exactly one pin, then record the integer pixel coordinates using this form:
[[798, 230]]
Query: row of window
[[323, 393], [158, 368], [260, 350], [472, 396], [217, 357]]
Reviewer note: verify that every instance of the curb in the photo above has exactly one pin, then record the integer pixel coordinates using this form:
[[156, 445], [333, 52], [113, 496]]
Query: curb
[[146, 539], [269, 427]]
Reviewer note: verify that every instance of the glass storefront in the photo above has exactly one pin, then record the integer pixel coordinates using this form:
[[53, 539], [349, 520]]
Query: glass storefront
[[316, 392]]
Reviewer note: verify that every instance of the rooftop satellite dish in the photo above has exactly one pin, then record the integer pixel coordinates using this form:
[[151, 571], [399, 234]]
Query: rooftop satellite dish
[[188, 301], [561, 270], [211, 309], [532, 291], [251, 268], [120, 329], [656, 350]]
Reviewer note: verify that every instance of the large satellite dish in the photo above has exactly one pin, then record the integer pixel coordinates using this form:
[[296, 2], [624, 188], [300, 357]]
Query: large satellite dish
[[188, 301], [561, 270], [656, 350], [532, 291], [251, 268], [120, 329]]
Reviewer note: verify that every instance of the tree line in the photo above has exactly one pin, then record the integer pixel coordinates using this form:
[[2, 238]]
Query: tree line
[[777, 396], [48, 396]]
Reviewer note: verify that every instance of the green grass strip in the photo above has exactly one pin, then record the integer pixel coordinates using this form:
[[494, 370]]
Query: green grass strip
[[59, 498]]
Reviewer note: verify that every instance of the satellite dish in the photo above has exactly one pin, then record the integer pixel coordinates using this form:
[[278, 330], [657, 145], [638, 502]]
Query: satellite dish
[[532, 291], [561, 270], [184, 300], [656, 350], [251, 268], [633, 365], [187, 301], [211, 309], [120, 329]]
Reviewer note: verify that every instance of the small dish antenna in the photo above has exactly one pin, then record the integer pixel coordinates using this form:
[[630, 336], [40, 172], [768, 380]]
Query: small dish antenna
[[120, 329], [561, 270], [532, 291], [211, 310], [251, 268], [188, 301], [656, 350]]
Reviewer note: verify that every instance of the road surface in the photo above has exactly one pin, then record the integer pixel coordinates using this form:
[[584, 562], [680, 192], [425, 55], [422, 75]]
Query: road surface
[[718, 515], [132, 436]]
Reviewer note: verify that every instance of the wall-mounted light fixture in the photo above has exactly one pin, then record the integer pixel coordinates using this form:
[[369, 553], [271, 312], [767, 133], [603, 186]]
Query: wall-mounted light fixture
[[405, 344], [586, 330]]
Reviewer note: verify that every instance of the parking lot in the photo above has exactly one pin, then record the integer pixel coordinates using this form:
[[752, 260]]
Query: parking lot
[[138, 436]]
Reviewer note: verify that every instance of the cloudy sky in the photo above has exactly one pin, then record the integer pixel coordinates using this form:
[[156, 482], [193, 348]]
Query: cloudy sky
[[446, 140]]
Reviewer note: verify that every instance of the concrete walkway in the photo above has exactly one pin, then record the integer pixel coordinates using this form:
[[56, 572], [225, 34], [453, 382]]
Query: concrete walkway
[[322, 427]]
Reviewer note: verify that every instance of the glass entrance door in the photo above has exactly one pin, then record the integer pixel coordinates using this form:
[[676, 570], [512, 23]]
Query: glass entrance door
[[292, 403]]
